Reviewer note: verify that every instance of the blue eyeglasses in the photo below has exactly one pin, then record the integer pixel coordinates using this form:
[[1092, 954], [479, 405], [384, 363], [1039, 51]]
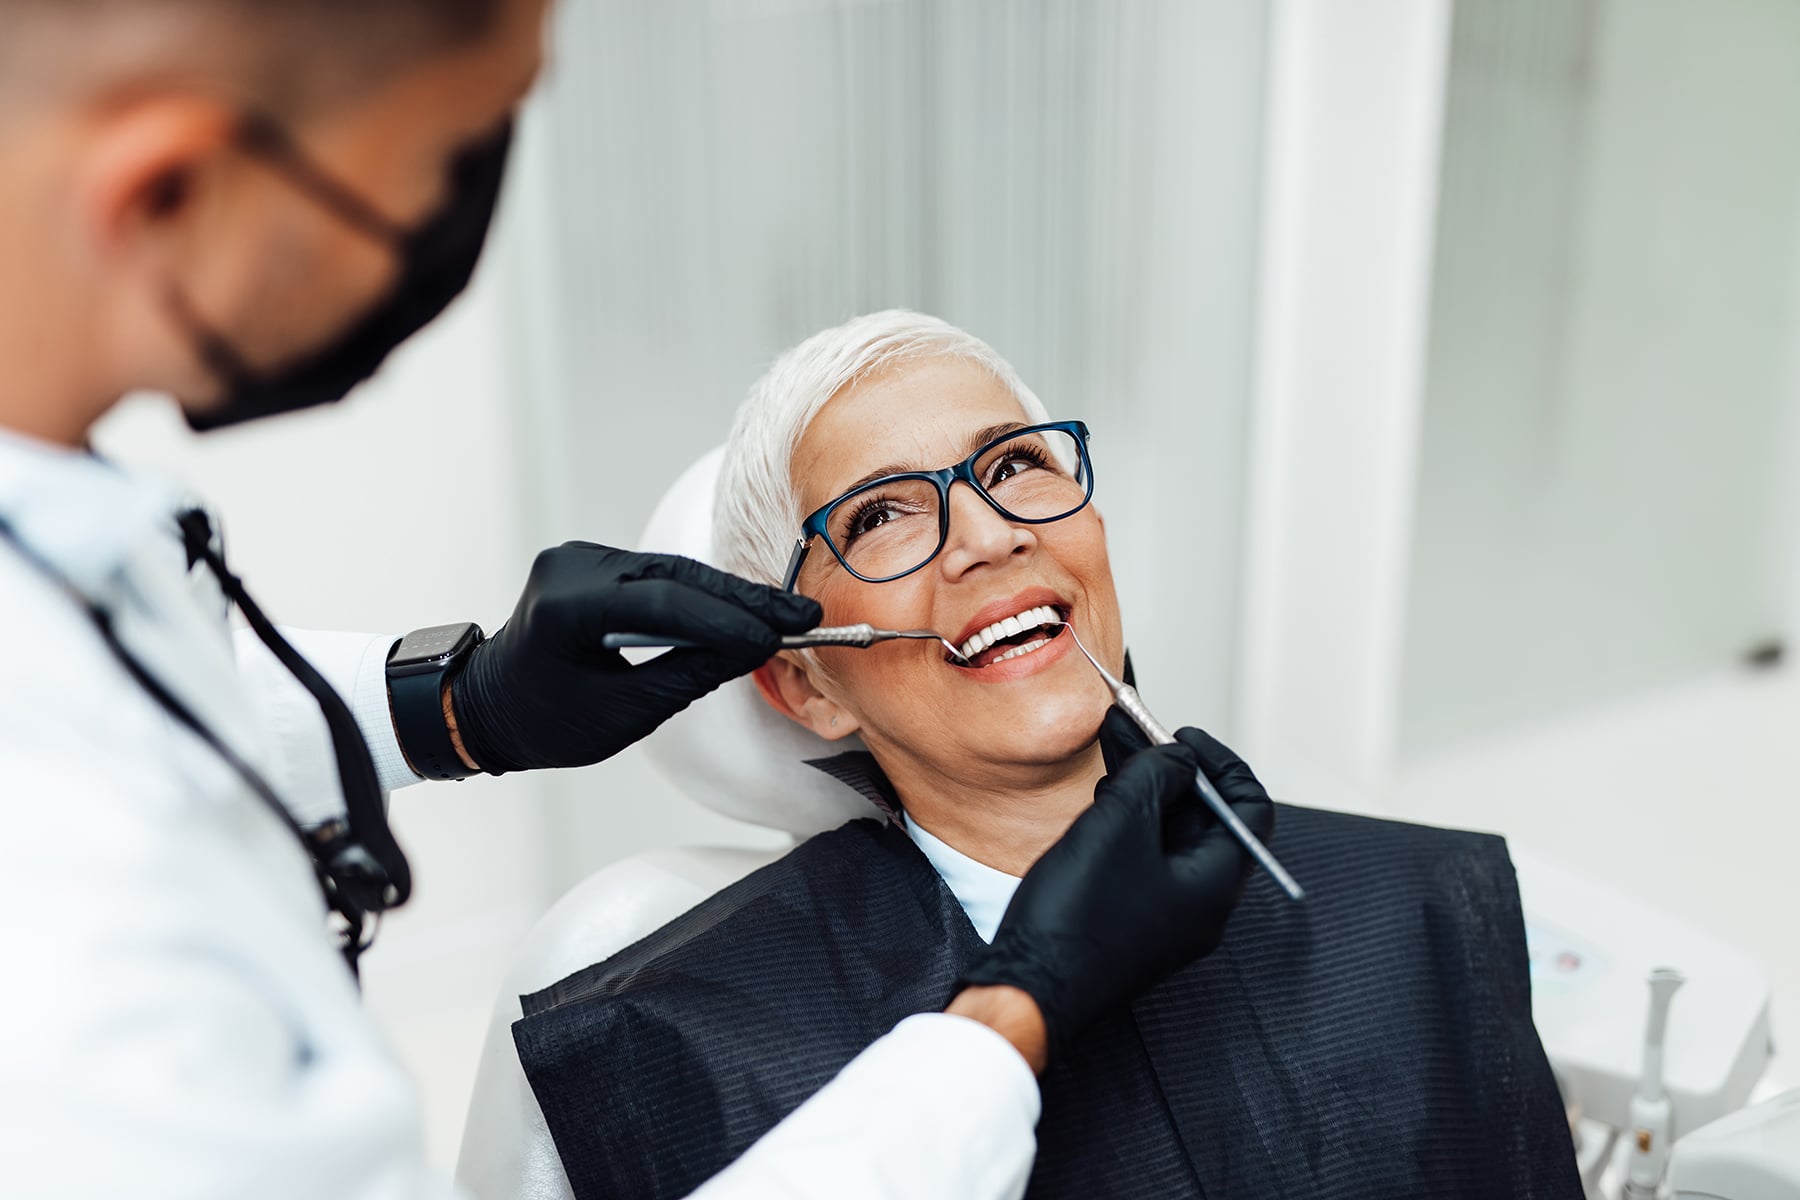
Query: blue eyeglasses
[[888, 528]]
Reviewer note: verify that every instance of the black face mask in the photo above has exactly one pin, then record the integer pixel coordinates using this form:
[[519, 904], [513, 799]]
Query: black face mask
[[437, 261]]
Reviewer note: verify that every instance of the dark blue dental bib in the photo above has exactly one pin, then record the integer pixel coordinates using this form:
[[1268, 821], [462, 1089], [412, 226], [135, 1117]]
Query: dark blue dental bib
[[1374, 1042]]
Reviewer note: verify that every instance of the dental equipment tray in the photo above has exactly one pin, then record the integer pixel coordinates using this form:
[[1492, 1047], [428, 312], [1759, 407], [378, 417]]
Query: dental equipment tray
[[1591, 951]]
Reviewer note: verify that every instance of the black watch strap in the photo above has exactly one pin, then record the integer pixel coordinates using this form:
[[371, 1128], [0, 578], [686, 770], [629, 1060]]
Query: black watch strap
[[418, 667]]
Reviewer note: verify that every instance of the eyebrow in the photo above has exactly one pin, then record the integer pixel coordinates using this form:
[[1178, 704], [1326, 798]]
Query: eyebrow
[[976, 441]]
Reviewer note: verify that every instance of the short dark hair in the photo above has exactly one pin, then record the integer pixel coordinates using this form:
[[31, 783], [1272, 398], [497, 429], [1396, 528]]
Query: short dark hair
[[290, 51], [454, 19], [438, 22]]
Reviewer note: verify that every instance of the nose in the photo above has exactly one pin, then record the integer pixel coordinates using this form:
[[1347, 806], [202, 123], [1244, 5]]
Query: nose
[[979, 536]]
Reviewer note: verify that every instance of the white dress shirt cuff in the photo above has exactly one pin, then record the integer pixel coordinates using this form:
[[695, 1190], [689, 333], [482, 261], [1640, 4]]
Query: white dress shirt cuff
[[941, 1106], [368, 697], [301, 763]]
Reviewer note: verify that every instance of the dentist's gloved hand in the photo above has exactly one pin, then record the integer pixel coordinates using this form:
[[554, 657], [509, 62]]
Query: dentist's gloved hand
[[544, 692], [1141, 885]]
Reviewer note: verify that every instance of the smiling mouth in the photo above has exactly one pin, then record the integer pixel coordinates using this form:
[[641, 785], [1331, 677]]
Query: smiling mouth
[[1014, 637]]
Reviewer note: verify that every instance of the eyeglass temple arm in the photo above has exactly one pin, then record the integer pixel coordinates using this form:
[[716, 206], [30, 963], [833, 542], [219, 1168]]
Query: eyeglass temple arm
[[792, 575]]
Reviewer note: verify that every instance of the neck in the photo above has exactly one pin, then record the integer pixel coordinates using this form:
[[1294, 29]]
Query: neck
[[1007, 815], [47, 390], [25, 412], [44, 392]]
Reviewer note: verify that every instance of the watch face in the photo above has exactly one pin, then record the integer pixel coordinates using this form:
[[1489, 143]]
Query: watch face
[[429, 646]]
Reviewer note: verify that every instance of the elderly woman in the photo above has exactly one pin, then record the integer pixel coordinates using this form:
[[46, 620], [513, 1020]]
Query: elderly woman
[[1375, 1041]]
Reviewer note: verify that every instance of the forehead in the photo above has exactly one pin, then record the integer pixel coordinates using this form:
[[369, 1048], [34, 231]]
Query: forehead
[[912, 416]]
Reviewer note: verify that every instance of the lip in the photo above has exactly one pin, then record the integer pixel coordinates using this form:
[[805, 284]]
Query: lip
[[1025, 664], [999, 610]]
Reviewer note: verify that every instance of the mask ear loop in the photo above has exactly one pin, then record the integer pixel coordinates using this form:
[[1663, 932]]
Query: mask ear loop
[[264, 139], [355, 883], [366, 862], [217, 355]]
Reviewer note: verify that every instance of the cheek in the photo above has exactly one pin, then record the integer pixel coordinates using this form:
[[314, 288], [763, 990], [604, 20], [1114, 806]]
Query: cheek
[[868, 681], [1079, 547], [316, 282], [882, 687], [901, 604], [1081, 552]]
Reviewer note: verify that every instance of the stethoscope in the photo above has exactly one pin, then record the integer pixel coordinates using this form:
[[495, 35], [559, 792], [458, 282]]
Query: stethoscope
[[361, 870]]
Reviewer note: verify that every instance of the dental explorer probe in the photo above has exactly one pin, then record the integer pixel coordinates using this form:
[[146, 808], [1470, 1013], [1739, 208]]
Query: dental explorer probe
[[861, 636], [1126, 697]]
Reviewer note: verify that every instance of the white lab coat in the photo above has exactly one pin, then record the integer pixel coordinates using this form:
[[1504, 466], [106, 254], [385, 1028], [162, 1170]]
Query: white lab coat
[[174, 1019]]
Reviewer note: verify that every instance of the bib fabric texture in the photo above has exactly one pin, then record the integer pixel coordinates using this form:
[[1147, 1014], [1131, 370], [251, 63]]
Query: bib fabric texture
[[1374, 1042]]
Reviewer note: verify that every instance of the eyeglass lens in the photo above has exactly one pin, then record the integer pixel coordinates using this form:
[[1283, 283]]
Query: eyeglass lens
[[895, 525]]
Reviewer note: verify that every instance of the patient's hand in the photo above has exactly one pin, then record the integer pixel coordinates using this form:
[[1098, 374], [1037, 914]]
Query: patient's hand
[[1011, 1013]]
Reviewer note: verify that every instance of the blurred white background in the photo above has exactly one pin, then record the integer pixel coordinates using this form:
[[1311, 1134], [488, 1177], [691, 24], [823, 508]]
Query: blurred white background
[[1443, 361]]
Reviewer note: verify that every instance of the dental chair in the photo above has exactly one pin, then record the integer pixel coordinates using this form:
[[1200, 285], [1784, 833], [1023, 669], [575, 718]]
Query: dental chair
[[1591, 950], [750, 766]]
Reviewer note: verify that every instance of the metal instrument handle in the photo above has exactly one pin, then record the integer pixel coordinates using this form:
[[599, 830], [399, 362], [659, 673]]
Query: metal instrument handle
[[645, 641], [833, 635], [1127, 698], [824, 635]]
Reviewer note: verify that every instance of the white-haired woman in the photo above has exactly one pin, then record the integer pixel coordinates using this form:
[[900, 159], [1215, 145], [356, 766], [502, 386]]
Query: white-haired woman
[[996, 759], [1375, 1041]]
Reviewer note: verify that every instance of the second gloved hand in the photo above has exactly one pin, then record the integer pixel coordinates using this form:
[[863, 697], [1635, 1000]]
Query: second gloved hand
[[1141, 885], [544, 692]]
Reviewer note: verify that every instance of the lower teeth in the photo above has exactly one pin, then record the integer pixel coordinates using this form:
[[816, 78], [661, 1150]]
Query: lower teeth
[[1027, 648]]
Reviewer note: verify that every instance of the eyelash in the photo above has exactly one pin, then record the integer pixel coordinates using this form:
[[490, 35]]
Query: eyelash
[[853, 528], [1034, 454], [853, 525]]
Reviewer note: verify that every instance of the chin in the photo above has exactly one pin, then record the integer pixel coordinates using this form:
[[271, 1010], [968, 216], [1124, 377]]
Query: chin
[[1054, 730]]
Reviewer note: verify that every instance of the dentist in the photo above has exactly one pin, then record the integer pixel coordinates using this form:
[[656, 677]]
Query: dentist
[[248, 204]]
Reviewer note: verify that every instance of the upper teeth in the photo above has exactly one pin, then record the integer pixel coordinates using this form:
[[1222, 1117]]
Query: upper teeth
[[1031, 618]]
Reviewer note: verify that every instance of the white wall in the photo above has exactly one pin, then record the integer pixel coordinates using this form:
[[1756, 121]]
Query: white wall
[[1681, 794], [1350, 186], [1613, 318], [1075, 181]]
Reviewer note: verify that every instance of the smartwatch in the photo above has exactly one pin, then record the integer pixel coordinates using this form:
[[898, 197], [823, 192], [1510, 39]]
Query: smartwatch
[[418, 667]]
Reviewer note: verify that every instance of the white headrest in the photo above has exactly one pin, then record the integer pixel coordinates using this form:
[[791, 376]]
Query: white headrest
[[730, 751]]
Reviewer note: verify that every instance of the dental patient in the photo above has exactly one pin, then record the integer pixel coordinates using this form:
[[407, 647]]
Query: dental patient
[[1373, 1042]]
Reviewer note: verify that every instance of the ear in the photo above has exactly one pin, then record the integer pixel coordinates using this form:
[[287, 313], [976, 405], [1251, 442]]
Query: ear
[[146, 169], [790, 691]]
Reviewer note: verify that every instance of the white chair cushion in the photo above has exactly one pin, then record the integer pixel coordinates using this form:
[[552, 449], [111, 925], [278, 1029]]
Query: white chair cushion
[[507, 1152], [730, 751]]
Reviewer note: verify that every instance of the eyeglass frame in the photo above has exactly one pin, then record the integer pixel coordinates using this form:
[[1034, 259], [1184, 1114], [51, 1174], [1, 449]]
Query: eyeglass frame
[[815, 526]]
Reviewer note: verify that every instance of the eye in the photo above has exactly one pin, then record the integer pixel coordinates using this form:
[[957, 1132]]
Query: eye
[[869, 516], [1015, 462]]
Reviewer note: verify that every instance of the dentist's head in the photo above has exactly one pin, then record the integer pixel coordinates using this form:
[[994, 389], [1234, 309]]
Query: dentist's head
[[929, 489], [245, 203]]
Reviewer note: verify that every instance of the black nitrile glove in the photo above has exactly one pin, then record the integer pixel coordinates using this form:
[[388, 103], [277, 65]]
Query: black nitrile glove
[[1140, 886], [543, 691]]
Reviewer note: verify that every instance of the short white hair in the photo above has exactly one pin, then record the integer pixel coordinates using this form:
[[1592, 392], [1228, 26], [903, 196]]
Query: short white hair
[[756, 513]]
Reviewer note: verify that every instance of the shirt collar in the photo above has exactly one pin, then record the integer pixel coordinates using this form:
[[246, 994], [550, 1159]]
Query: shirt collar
[[983, 891], [80, 512]]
